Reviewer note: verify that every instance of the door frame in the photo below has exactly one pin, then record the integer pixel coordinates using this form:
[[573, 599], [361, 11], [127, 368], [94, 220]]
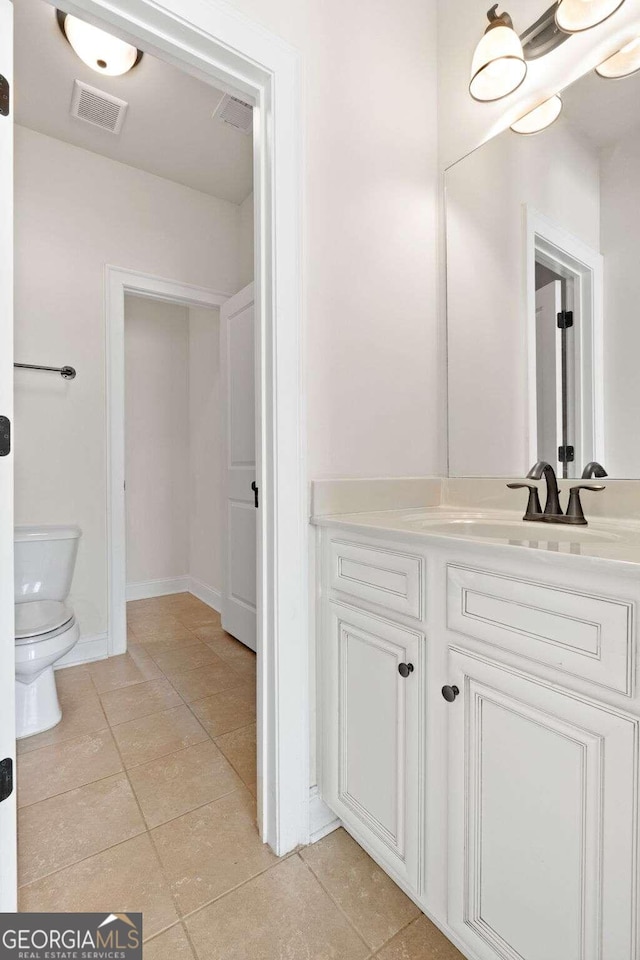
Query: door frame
[[221, 46], [8, 846], [119, 283], [574, 260]]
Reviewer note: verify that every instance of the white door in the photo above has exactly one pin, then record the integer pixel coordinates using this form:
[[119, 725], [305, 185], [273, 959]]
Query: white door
[[237, 354], [542, 819], [548, 372], [372, 690], [8, 884]]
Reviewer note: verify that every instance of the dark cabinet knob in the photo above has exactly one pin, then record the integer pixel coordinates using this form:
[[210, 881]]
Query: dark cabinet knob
[[405, 669], [450, 693]]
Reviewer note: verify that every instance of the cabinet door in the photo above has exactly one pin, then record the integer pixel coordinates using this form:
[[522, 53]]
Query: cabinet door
[[543, 819], [372, 722]]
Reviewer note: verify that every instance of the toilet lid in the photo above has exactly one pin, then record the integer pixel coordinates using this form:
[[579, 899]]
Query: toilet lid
[[36, 617]]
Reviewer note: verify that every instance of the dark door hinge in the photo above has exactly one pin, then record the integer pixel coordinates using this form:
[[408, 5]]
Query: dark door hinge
[[6, 778], [5, 436], [4, 97], [254, 487], [565, 319], [566, 454]]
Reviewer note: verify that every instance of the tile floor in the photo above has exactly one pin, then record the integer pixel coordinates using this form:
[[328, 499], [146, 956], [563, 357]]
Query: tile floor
[[143, 798]]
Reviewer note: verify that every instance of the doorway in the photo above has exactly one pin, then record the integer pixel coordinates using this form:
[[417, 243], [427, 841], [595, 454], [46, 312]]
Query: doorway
[[214, 44], [564, 339]]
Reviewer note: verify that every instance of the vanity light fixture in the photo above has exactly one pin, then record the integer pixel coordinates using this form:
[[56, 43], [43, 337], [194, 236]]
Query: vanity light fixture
[[623, 63], [500, 59], [574, 16], [539, 118], [498, 67], [101, 51]]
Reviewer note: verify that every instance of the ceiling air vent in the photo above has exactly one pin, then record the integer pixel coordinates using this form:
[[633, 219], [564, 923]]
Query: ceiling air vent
[[235, 112], [97, 107]]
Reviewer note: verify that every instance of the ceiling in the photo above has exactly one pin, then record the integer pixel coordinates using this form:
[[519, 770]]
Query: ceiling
[[604, 110], [168, 129]]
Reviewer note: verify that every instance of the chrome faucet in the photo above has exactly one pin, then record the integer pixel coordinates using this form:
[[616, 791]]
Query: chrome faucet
[[552, 512]]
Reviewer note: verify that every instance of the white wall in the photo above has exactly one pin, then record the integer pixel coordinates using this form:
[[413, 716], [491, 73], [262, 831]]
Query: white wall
[[173, 454], [157, 448], [75, 212], [487, 322], [370, 198], [620, 185], [205, 553]]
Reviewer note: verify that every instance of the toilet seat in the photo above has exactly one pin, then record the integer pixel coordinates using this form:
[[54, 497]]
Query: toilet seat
[[40, 619]]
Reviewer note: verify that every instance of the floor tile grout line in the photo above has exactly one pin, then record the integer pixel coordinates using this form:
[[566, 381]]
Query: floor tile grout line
[[151, 840], [374, 950], [125, 769], [189, 940], [228, 759], [74, 863], [78, 786], [169, 753], [60, 743], [112, 846], [246, 787], [145, 826], [335, 902], [63, 793], [238, 886], [397, 933], [200, 806]]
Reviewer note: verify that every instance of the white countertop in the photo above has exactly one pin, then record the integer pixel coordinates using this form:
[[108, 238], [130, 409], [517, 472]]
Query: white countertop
[[603, 539]]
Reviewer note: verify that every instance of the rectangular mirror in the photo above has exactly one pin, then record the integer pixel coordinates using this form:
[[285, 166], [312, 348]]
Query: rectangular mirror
[[543, 292]]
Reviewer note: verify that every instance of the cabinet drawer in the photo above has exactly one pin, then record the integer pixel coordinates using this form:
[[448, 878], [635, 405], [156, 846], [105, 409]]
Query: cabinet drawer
[[384, 577], [584, 635]]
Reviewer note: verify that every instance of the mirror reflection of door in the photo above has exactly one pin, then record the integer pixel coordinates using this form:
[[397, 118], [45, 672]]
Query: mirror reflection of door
[[557, 401], [549, 386]]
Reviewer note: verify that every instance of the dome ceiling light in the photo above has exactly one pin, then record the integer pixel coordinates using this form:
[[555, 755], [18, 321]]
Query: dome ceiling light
[[101, 51]]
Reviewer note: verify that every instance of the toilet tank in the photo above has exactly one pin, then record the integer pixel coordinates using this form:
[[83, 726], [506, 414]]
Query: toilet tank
[[44, 559]]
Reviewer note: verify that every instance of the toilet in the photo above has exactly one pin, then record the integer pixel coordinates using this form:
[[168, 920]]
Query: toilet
[[45, 625]]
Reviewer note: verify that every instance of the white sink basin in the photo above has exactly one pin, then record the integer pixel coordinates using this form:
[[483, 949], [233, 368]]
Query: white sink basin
[[522, 532]]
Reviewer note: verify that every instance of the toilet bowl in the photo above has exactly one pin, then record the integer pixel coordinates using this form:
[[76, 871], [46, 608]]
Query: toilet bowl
[[46, 628]]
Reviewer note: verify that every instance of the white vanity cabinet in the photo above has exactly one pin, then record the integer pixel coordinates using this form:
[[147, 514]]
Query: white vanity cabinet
[[509, 814], [373, 691], [542, 819]]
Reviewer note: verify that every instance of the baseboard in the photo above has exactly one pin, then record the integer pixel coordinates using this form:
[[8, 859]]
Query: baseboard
[[208, 595], [146, 589], [322, 820], [86, 650]]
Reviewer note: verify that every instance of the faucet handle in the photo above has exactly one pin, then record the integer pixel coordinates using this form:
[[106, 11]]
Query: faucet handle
[[575, 513], [534, 508]]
